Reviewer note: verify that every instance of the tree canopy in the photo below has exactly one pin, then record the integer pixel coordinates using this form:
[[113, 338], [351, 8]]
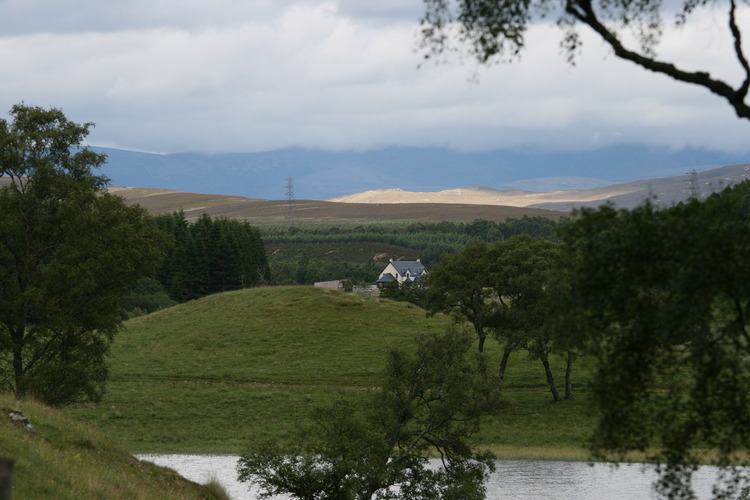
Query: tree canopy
[[505, 290], [68, 253], [430, 402], [461, 283], [662, 298], [496, 29]]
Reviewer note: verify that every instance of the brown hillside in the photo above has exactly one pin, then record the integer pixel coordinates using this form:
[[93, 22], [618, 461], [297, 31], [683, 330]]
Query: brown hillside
[[257, 211], [480, 195], [664, 191]]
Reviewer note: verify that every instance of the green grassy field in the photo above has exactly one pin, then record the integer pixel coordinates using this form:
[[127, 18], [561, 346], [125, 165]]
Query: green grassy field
[[64, 459], [212, 375]]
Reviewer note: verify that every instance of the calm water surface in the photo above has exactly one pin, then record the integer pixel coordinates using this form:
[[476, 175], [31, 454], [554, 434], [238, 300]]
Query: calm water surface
[[513, 479]]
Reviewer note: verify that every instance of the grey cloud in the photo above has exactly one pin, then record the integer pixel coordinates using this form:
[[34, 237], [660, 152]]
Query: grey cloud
[[18, 17], [238, 75]]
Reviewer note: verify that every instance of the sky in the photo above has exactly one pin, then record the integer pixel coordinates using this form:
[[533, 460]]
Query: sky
[[171, 76]]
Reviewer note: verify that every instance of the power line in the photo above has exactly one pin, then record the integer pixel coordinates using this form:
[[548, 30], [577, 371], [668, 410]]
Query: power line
[[290, 201], [693, 189]]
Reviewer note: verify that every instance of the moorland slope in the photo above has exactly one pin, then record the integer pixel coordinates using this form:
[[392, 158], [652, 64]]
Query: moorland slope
[[256, 211], [662, 191], [454, 205]]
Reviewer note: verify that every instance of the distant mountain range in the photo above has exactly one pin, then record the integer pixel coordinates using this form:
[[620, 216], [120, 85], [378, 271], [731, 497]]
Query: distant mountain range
[[320, 175], [449, 205]]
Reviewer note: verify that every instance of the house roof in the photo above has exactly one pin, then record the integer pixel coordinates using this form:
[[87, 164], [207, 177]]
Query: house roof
[[402, 266], [386, 278]]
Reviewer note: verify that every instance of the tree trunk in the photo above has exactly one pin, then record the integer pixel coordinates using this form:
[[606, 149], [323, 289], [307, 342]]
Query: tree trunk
[[6, 477], [568, 372], [550, 378], [504, 363], [482, 336], [18, 339]]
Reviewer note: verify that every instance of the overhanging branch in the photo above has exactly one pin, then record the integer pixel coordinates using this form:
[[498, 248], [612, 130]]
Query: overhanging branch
[[737, 35], [583, 11]]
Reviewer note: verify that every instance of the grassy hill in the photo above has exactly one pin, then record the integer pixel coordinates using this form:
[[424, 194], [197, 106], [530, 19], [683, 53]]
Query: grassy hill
[[66, 460], [288, 335], [214, 374]]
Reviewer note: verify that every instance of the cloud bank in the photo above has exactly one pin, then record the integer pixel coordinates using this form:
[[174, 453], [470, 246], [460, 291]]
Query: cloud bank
[[233, 75]]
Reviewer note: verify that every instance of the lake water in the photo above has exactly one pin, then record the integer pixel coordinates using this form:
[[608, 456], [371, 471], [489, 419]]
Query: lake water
[[513, 479]]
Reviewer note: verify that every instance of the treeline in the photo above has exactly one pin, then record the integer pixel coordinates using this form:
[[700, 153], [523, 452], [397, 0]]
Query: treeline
[[210, 256], [306, 271], [202, 257], [431, 238]]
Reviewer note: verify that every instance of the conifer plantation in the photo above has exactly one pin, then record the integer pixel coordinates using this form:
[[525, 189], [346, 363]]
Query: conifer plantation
[[210, 256]]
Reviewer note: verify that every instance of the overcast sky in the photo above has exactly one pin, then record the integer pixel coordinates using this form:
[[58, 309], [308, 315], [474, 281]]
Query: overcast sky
[[254, 75]]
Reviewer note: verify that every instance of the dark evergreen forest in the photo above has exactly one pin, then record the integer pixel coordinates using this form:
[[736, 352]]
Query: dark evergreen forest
[[210, 256]]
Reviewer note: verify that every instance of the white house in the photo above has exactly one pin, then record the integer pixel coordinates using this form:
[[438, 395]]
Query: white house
[[403, 271]]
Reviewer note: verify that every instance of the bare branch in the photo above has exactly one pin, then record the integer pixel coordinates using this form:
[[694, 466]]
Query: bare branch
[[419, 436], [583, 11], [737, 35]]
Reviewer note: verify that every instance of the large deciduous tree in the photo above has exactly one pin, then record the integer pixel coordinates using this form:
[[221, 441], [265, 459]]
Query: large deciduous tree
[[497, 28], [505, 289], [68, 253], [663, 299], [521, 270], [460, 283], [430, 403]]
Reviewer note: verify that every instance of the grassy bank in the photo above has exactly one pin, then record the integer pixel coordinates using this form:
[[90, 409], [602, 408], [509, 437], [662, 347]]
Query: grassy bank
[[64, 459], [212, 375]]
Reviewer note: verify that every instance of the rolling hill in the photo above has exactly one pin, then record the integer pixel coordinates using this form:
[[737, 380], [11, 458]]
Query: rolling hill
[[207, 375], [315, 211], [214, 374], [663, 191], [398, 205]]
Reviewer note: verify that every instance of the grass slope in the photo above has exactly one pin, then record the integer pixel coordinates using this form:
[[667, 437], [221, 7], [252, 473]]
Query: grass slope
[[67, 460], [214, 374], [286, 335]]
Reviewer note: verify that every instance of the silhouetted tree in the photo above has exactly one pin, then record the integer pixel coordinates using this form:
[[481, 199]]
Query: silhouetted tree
[[662, 297]]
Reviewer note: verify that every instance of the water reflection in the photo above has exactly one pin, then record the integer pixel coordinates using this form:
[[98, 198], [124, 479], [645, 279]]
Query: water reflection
[[513, 479], [527, 480]]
